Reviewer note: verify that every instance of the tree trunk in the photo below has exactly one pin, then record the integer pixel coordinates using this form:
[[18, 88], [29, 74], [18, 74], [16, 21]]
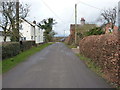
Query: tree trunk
[[5, 38], [113, 26], [13, 37]]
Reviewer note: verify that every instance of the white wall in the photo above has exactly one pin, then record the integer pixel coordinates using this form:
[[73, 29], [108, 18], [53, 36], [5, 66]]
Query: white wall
[[7, 39], [31, 33], [26, 31], [41, 36], [37, 34]]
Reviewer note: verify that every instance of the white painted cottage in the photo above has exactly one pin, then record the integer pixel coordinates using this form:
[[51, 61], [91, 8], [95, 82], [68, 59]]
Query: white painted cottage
[[30, 31]]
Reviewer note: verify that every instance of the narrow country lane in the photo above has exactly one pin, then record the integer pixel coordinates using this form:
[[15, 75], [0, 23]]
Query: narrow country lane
[[54, 67]]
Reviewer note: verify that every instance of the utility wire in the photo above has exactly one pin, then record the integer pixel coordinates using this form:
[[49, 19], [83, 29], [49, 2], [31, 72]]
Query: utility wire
[[55, 13], [89, 5], [51, 10]]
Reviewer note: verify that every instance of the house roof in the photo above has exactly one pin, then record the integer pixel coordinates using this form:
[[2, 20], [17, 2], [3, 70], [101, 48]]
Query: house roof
[[32, 24], [82, 19], [82, 28]]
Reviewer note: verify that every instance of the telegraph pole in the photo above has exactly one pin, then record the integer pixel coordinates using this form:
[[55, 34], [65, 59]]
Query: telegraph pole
[[17, 20], [75, 23], [64, 33], [119, 15]]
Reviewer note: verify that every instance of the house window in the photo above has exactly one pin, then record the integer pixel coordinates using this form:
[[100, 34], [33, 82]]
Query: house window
[[24, 38], [32, 37], [20, 27]]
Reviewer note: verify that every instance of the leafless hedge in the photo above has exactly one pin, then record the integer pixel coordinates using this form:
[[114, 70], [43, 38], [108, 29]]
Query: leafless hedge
[[104, 50]]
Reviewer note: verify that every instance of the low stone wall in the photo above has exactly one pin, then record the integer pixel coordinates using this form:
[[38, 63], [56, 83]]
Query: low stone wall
[[104, 50]]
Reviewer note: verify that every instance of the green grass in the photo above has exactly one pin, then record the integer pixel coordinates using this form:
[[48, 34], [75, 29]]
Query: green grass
[[70, 46], [8, 64], [118, 88], [91, 64]]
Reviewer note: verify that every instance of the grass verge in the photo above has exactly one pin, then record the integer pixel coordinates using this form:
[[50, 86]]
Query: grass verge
[[95, 68], [8, 64], [90, 64], [70, 46]]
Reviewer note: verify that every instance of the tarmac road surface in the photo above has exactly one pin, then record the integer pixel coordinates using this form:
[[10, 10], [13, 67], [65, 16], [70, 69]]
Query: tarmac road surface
[[54, 67]]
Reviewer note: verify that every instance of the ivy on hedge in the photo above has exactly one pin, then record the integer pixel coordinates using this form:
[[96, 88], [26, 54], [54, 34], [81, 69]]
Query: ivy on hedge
[[95, 31]]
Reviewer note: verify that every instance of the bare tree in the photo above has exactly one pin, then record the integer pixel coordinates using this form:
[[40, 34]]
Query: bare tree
[[109, 16], [4, 22], [9, 10]]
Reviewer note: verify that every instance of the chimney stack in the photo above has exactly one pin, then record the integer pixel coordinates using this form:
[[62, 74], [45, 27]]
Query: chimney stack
[[34, 22], [82, 21]]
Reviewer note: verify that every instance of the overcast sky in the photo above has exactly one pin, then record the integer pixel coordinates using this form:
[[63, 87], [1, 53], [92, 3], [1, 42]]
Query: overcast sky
[[63, 11]]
